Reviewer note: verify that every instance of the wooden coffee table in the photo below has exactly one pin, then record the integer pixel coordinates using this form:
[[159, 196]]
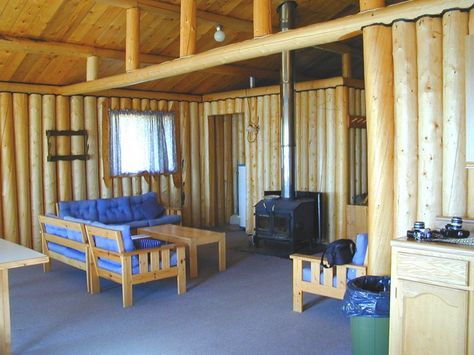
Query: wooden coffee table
[[193, 238]]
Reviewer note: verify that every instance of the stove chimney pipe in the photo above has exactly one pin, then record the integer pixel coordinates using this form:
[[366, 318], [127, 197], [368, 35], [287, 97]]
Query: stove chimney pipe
[[287, 103]]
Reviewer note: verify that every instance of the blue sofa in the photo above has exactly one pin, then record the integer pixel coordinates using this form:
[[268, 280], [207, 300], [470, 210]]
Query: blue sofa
[[136, 211]]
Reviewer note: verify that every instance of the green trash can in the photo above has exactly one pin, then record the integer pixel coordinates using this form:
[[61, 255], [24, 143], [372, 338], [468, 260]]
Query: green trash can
[[367, 302]]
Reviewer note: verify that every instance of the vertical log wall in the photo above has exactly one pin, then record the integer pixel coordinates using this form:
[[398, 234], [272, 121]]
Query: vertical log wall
[[429, 88]]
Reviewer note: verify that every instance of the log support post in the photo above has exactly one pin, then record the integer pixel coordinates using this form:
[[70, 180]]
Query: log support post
[[132, 40], [92, 68], [346, 65], [187, 28], [262, 18], [380, 136]]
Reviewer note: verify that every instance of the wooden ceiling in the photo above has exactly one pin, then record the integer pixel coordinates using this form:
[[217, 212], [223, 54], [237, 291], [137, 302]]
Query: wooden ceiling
[[48, 41]]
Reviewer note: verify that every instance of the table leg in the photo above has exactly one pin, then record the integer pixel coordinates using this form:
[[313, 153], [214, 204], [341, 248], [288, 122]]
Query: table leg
[[222, 259], [5, 335], [193, 261]]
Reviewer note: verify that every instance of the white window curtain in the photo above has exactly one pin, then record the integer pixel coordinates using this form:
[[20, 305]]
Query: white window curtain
[[142, 142]]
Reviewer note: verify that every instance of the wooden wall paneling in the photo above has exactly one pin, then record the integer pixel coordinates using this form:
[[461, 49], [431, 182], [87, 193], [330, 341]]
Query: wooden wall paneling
[[455, 29], [136, 180], [298, 158], [254, 197], [164, 179], [303, 171], [8, 171], [266, 147], [175, 190], [330, 186], [234, 122], [430, 88], [260, 149], [239, 108], [63, 145], [102, 104], [145, 180], [352, 176], [21, 147], [219, 168], [213, 170], [228, 169], [92, 164], [49, 168], [470, 172], [406, 130], [275, 137], [321, 140], [155, 179], [358, 146], [36, 167], [79, 182], [116, 181], [342, 160], [185, 136], [363, 158], [312, 144], [249, 162], [204, 136], [195, 165]]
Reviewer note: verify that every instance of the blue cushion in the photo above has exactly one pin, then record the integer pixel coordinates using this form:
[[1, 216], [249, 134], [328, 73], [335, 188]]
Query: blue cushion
[[85, 209], [146, 206], [61, 249], [75, 254], [108, 244], [117, 267], [166, 219], [307, 277], [138, 224], [114, 210], [73, 234], [361, 249], [146, 243], [55, 230]]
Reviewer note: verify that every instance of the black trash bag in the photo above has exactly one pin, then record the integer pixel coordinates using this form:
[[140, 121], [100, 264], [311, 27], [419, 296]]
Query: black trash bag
[[367, 296]]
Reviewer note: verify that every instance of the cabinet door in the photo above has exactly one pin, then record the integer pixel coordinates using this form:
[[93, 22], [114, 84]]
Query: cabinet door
[[428, 319]]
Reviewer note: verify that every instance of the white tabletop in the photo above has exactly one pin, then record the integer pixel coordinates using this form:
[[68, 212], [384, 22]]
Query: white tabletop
[[13, 255]]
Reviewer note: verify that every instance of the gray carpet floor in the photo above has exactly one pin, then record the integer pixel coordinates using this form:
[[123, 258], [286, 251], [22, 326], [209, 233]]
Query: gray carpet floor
[[244, 310]]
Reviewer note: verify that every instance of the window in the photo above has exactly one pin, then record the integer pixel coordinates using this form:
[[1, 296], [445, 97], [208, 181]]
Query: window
[[142, 142]]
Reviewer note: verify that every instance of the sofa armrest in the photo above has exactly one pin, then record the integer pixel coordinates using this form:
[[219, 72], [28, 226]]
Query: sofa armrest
[[173, 211]]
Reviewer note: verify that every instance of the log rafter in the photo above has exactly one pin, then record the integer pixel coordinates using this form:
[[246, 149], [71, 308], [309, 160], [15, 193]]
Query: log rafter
[[321, 33], [46, 47]]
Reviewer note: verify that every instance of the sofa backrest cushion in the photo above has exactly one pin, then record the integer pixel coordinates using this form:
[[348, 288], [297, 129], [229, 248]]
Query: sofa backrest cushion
[[56, 230], [114, 210], [146, 206], [84, 209], [109, 244], [362, 241], [165, 219]]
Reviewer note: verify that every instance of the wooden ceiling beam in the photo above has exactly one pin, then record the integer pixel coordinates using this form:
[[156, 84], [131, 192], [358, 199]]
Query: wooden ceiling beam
[[187, 28], [312, 35], [262, 18], [51, 48], [340, 48], [165, 9]]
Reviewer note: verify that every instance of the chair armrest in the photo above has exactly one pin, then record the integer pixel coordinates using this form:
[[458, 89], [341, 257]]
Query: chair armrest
[[139, 236], [308, 258], [149, 250], [353, 266]]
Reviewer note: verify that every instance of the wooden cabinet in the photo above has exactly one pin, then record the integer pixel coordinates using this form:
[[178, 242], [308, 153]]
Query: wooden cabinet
[[432, 295]]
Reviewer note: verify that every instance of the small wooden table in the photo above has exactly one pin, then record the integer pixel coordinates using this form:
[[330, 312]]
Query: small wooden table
[[11, 256], [192, 237]]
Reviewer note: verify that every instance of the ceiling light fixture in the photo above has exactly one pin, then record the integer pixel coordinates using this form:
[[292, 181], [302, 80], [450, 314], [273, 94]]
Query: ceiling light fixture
[[219, 36]]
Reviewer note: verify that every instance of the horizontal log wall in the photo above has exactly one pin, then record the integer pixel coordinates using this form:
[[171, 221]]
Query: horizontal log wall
[[429, 66], [31, 185]]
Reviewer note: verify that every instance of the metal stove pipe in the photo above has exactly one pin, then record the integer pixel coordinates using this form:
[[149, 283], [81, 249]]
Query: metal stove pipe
[[287, 102]]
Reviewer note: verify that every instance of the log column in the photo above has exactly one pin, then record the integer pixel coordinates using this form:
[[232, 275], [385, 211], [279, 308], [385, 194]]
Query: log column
[[92, 68], [262, 18], [346, 65], [380, 135], [187, 28], [132, 40]]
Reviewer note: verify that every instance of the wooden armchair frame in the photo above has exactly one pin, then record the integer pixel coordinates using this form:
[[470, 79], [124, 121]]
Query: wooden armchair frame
[[154, 264], [79, 246]]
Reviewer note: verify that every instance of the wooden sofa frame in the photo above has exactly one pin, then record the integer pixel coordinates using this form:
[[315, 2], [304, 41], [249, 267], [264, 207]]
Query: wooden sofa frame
[[314, 286], [79, 246], [157, 259]]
